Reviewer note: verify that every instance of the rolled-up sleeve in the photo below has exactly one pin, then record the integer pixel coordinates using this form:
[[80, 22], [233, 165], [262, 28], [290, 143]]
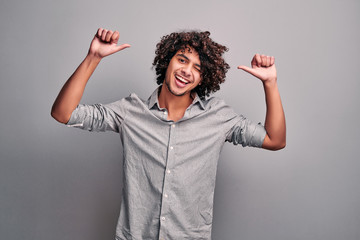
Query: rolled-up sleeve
[[99, 117], [247, 133], [239, 129]]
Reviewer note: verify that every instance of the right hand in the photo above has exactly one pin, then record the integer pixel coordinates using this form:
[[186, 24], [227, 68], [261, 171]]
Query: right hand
[[105, 43]]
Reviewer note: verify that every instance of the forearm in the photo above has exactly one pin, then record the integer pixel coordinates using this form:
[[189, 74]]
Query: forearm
[[72, 91], [275, 119]]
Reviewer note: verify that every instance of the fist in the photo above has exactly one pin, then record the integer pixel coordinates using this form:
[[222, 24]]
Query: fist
[[105, 43], [262, 67]]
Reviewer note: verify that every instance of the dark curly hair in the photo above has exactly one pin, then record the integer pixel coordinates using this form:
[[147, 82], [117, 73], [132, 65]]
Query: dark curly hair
[[213, 65]]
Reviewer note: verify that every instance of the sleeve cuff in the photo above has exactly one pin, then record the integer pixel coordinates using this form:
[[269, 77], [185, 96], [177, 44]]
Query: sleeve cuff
[[259, 136], [74, 120]]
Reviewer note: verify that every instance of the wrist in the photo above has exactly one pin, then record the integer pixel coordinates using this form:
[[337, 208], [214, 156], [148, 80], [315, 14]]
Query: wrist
[[270, 83], [94, 58]]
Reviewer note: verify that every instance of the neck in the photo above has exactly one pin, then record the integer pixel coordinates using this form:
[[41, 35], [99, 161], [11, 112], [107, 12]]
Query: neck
[[175, 105]]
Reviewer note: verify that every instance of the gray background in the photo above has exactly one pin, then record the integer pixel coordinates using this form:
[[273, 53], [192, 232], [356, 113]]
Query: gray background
[[60, 183]]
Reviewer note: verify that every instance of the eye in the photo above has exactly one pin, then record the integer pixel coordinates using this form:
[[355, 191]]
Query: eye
[[181, 60]]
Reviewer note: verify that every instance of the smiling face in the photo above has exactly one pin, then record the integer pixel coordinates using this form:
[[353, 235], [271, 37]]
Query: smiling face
[[183, 73]]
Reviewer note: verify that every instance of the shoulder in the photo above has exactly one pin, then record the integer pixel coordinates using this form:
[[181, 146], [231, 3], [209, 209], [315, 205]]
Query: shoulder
[[220, 108], [133, 98], [124, 104], [134, 103], [214, 103]]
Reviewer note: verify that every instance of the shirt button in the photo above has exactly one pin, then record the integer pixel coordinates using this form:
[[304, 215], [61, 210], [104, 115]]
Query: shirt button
[[162, 218], [168, 171], [165, 195], [173, 125], [164, 112], [171, 147]]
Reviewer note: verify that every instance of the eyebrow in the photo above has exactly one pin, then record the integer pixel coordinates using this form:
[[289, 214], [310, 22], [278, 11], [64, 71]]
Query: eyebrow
[[182, 55]]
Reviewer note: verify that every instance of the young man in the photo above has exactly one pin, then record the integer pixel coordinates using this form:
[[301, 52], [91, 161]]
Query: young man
[[172, 141]]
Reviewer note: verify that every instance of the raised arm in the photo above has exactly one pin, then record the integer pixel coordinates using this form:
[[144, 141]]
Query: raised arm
[[103, 44], [263, 67]]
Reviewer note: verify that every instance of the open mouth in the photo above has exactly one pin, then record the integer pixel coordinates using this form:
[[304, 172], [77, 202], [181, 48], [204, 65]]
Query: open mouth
[[180, 81]]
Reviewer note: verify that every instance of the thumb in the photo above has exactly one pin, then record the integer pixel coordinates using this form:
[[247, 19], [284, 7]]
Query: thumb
[[252, 71], [121, 47], [246, 69]]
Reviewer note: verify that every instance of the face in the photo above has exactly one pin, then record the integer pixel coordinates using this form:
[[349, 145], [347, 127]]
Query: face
[[183, 73]]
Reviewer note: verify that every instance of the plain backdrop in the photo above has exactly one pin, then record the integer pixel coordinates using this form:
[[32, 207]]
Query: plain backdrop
[[63, 184]]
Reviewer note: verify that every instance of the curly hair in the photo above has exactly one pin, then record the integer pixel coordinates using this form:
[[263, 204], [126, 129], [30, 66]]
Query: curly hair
[[213, 66]]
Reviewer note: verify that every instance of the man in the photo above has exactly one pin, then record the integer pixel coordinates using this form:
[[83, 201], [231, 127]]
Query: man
[[172, 141]]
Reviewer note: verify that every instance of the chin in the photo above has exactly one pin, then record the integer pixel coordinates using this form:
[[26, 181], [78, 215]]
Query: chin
[[173, 91]]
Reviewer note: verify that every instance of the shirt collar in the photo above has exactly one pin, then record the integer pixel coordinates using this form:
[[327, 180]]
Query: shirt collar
[[153, 99]]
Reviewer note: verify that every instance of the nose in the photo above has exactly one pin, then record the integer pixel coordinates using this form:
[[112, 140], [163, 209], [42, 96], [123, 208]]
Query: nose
[[186, 70]]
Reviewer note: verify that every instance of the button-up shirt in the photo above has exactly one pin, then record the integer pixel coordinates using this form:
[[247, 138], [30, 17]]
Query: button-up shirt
[[169, 167]]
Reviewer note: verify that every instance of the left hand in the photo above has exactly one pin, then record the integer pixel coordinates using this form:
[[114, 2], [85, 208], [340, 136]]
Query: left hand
[[262, 67]]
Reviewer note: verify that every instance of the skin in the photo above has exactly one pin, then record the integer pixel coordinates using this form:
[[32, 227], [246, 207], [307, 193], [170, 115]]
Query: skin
[[263, 67], [103, 44], [175, 96]]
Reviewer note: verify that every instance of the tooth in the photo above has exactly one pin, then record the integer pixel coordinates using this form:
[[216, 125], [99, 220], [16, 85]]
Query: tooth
[[181, 79]]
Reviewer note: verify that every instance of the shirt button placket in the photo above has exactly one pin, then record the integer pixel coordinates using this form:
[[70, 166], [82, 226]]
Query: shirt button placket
[[167, 180]]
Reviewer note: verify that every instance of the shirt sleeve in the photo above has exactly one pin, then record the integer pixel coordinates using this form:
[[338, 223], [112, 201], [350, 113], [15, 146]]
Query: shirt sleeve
[[239, 129], [246, 133], [99, 117]]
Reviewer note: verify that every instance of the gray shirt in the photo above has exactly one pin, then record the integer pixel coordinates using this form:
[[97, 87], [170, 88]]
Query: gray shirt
[[169, 167]]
